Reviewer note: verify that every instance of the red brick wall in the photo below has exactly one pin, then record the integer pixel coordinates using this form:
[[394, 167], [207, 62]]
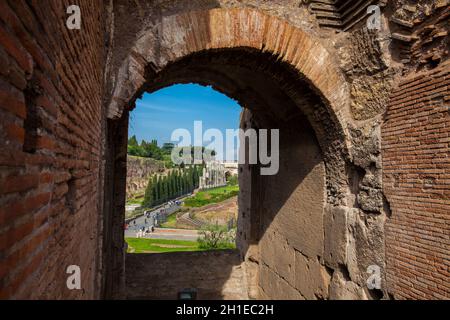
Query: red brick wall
[[416, 166], [51, 88]]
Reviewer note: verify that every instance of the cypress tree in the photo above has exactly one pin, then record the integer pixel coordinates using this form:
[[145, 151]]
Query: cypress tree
[[169, 186], [191, 179], [154, 190], [166, 188], [160, 190], [179, 183], [184, 182], [196, 177], [148, 196], [133, 141], [173, 185]]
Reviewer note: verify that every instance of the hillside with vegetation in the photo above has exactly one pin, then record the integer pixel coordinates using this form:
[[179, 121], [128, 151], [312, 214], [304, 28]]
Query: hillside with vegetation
[[138, 172], [210, 196], [178, 182], [162, 180], [152, 150]]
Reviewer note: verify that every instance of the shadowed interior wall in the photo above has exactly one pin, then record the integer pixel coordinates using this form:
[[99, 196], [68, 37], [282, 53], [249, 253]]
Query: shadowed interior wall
[[214, 275], [290, 206]]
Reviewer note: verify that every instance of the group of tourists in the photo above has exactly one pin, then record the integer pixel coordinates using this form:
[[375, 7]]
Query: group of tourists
[[144, 230]]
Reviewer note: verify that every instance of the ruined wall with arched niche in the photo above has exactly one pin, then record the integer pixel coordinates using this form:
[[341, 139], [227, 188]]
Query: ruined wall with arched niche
[[373, 105], [320, 76]]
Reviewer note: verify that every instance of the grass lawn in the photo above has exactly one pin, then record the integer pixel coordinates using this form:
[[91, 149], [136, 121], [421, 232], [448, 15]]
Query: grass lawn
[[171, 221], [136, 245], [137, 198], [135, 201], [209, 196]]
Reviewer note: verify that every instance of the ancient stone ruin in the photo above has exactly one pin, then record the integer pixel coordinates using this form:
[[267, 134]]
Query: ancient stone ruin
[[139, 170], [213, 175], [360, 95]]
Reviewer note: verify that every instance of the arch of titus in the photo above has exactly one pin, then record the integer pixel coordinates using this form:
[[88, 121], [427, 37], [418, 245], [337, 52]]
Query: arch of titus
[[213, 175], [361, 99]]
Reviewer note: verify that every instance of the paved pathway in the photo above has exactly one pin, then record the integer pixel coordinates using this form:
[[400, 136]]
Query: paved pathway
[[146, 221], [174, 234], [170, 234]]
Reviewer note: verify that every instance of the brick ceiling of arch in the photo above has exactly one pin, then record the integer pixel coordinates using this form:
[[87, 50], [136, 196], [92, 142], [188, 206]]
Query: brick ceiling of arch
[[180, 35]]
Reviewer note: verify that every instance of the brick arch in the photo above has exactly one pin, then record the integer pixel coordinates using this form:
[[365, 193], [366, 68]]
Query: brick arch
[[188, 47], [181, 35]]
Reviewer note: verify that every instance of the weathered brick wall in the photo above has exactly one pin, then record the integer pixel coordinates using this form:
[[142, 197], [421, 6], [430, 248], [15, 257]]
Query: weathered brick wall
[[416, 166], [51, 87]]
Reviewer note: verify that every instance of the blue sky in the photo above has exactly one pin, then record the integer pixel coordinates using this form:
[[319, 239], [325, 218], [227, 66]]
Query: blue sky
[[158, 114]]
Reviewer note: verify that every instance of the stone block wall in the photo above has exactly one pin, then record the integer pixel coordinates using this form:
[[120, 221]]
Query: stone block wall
[[51, 86], [291, 229], [214, 274]]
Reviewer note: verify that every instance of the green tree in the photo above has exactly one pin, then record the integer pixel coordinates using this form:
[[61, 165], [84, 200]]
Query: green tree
[[149, 194], [169, 186], [166, 189], [160, 190], [155, 190], [167, 148], [195, 177], [133, 141], [133, 150], [173, 185], [191, 179], [216, 237], [179, 183]]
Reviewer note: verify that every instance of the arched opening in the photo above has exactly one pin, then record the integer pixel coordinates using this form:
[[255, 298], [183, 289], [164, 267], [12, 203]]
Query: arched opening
[[282, 236], [281, 216], [180, 227]]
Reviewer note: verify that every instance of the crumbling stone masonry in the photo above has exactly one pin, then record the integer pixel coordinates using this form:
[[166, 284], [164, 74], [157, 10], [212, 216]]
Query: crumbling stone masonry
[[213, 175], [364, 150], [139, 170]]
